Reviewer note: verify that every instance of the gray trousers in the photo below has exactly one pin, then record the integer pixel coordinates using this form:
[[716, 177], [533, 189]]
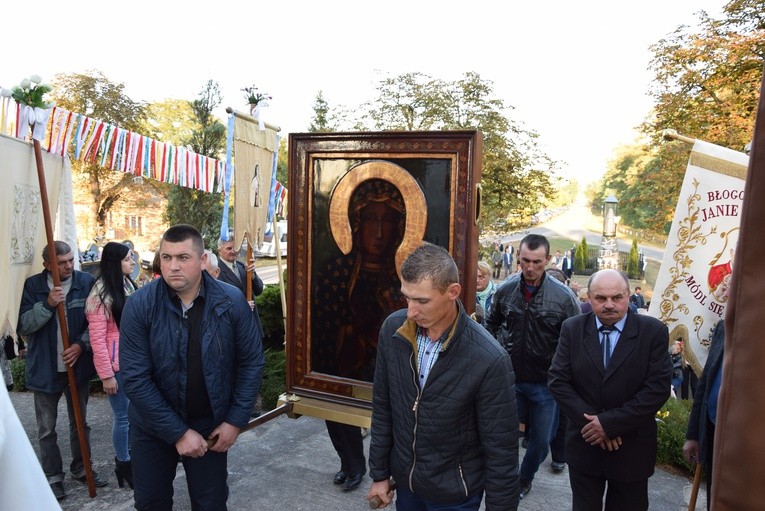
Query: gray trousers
[[46, 411]]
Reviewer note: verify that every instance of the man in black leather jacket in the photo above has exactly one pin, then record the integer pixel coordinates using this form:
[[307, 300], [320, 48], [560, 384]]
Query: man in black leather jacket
[[526, 316], [443, 409]]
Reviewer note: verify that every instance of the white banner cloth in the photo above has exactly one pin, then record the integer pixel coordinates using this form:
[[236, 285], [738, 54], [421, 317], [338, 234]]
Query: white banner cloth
[[23, 231], [690, 292]]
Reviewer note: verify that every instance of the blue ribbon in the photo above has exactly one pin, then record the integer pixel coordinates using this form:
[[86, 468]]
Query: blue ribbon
[[227, 178], [272, 195]]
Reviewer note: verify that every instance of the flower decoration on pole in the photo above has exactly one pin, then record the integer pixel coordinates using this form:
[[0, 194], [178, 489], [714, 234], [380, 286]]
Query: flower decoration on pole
[[34, 110], [256, 100]]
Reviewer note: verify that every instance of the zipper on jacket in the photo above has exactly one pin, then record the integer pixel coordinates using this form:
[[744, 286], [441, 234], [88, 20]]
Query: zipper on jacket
[[462, 480], [414, 431]]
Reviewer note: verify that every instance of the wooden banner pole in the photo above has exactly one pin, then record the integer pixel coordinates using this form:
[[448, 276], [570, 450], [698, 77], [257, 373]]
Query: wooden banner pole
[[53, 268]]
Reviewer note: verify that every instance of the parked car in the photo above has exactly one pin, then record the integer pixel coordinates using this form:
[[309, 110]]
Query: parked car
[[268, 249]]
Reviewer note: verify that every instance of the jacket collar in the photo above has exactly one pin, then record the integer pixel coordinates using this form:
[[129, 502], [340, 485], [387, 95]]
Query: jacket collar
[[76, 278], [408, 330]]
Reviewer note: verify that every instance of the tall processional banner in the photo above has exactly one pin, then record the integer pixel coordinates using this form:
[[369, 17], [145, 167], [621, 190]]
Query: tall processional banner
[[254, 152], [23, 231], [690, 295]]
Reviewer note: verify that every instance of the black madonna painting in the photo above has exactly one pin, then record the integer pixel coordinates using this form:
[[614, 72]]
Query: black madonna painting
[[364, 212]]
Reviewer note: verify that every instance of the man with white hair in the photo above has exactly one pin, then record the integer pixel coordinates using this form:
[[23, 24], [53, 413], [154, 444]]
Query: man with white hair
[[211, 264], [234, 272]]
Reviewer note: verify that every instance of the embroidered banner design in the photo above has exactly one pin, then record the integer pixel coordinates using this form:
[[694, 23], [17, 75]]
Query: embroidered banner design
[[691, 289]]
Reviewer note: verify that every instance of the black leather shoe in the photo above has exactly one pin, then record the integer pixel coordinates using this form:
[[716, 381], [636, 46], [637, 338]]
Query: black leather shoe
[[352, 482], [58, 490], [97, 481], [525, 489], [558, 466], [340, 477]]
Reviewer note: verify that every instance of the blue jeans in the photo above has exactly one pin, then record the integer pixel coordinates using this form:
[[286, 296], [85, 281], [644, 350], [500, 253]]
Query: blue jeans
[[120, 425], [154, 466], [408, 501], [46, 411], [542, 412]]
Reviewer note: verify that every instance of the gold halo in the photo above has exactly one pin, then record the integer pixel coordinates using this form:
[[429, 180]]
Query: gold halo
[[414, 201]]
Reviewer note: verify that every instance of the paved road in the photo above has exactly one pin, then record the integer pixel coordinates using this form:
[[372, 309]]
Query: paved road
[[577, 222], [287, 465], [269, 274]]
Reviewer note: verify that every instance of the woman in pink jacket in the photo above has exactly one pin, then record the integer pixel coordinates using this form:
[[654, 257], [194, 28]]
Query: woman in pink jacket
[[104, 310]]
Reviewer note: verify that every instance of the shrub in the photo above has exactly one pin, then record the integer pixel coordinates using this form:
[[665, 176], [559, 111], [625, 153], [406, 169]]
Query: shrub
[[17, 371], [270, 312], [633, 268], [581, 256], [274, 378], [672, 422]]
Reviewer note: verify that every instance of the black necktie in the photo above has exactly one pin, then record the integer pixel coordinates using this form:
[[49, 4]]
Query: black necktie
[[606, 343]]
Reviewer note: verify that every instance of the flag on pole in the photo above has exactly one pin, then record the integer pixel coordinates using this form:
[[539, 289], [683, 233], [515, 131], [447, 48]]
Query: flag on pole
[[279, 200], [689, 293], [227, 178]]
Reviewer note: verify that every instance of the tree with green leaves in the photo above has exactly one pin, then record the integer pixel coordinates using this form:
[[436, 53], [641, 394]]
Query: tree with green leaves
[[517, 177], [321, 122], [633, 262], [207, 137], [94, 95]]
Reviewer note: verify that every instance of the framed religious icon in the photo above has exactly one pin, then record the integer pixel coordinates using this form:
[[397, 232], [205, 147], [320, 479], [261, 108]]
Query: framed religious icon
[[360, 203]]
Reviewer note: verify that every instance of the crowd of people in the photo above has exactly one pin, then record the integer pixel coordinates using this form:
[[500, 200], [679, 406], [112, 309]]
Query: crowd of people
[[577, 372], [180, 359]]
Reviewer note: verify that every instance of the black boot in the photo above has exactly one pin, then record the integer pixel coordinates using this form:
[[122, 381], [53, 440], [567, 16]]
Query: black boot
[[124, 472]]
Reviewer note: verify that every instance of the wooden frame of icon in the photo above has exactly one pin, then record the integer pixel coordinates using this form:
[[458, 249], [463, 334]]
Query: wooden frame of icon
[[359, 204]]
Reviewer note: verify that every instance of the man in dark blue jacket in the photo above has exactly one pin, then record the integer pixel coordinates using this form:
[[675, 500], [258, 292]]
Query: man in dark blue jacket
[[444, 420], [47, 361], [192, 360]]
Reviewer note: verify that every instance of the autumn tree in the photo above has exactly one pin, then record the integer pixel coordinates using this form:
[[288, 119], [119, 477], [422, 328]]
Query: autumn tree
[[706, 86], [94, 95], [206, 136]]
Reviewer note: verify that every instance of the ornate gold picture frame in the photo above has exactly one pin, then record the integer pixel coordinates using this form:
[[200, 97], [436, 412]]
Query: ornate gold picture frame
[[359, 204]]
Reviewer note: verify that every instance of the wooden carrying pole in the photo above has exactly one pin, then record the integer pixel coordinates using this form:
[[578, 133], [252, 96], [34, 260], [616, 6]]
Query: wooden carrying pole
[[695, 488], [248, 293], [674, 135], [279, 268], [53, 268]]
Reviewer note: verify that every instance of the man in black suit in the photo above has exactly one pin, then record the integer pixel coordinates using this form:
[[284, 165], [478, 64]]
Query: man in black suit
[[610, 375], [235, 273], [567, 265], [637, 298], [508, 259]]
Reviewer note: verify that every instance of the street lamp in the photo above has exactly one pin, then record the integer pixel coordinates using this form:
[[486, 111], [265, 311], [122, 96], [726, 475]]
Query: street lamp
[[609, 216], [609, 250]]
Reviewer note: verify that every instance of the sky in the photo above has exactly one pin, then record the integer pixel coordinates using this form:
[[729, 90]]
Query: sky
[[574, 72]]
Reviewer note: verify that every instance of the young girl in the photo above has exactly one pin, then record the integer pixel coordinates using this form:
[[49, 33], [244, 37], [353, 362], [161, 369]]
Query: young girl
[[104, 310]]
